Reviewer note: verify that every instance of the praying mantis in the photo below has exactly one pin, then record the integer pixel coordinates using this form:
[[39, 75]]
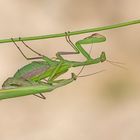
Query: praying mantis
[[35, 73]]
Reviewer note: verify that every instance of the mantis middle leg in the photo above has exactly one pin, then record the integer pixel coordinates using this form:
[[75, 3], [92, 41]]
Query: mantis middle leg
[[94, 38]]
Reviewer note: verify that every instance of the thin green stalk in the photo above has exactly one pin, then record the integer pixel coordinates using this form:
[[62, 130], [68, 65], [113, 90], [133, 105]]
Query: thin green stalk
[[74, 32], [23, 91]]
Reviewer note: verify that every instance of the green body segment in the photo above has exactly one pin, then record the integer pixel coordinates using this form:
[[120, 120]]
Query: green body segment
[[38, 70], [32, 69]]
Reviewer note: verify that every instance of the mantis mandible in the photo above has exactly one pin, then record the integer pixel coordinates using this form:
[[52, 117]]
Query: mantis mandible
[[37, 71]]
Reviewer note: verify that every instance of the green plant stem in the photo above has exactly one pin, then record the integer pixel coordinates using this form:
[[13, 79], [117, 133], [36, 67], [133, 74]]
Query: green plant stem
[[74, 32], [23, 91]]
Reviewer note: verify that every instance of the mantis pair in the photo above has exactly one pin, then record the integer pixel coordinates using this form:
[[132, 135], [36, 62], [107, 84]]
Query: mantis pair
[[35, 73]]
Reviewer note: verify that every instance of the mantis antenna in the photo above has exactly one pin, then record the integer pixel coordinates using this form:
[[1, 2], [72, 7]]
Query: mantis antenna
[[91, 73], [117, 64]]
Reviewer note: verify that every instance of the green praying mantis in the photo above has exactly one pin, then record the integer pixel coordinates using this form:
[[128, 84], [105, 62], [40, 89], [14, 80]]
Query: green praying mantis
[[34, 75]]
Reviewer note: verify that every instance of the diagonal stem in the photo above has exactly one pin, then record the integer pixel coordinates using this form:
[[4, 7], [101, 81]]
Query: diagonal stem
[[73, 32]]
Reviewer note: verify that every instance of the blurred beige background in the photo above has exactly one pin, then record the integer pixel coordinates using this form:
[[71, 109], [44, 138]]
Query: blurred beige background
[[105, 106]]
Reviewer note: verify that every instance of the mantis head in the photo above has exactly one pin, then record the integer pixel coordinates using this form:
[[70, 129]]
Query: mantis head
[[94, 38]]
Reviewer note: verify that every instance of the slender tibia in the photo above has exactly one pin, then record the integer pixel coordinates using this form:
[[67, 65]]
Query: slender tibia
[[30, 48], [58, 54], [117, 64], [27, 58], [70, 42]]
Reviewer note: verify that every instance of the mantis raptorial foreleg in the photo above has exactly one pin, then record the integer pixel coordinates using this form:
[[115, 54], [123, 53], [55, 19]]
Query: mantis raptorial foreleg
[[51, 77]]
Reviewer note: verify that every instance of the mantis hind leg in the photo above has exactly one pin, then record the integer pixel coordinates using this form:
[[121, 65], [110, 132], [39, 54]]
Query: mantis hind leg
[[27, 58]]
